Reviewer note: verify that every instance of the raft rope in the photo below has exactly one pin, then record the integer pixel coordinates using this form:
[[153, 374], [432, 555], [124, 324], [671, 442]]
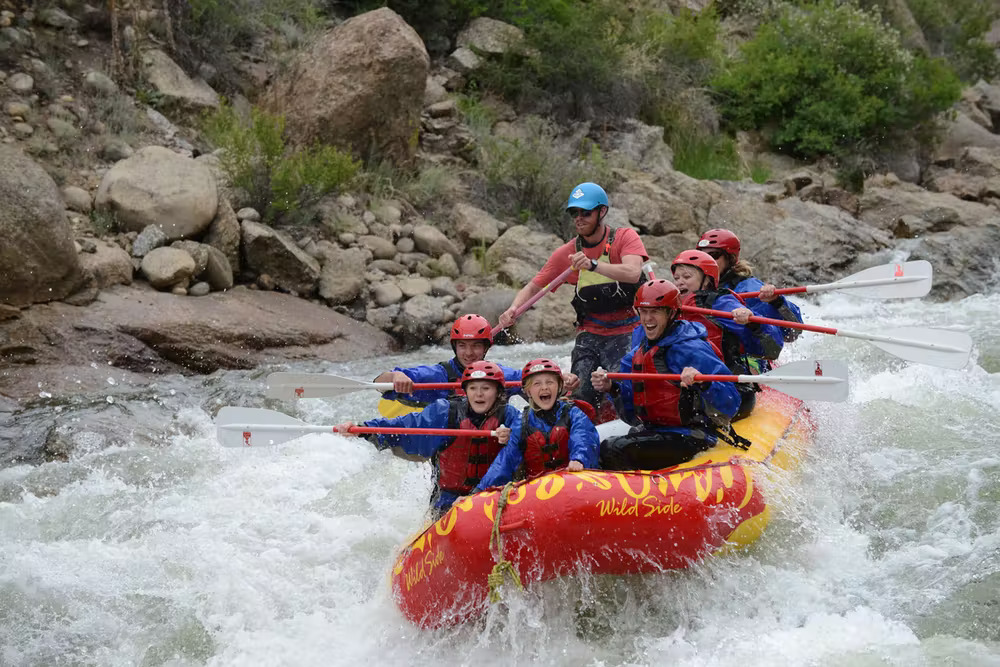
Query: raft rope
[[495, 579]]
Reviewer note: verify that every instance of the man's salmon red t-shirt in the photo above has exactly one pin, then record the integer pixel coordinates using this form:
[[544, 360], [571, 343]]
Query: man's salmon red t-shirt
[[627, 242]]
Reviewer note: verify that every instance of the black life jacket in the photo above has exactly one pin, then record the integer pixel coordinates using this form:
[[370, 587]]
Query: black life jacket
[[597, 294]]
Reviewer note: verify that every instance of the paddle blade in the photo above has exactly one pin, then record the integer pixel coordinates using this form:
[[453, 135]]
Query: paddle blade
[[823, 380], [934, 347], [291, 386], [248, 427], [910, 280]]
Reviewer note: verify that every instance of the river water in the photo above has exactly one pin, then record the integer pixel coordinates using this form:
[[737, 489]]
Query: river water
[[152, 545]]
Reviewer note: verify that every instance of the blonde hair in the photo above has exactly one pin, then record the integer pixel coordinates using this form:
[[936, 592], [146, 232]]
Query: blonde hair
[[531, 380], [741, 269]]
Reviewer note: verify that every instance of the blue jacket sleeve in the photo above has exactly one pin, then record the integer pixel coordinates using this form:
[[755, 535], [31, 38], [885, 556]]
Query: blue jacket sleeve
[[434, 415], [759, 340], [421, 374], [779, 309], [720, 397], [505, 464], [503, 467], [583, 438], [623, 401]]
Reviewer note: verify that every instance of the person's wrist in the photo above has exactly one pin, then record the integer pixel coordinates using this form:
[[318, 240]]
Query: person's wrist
[[593, 264]]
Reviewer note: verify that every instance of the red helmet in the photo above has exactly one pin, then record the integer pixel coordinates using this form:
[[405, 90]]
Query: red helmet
[[472, 327], [724, 240], [483, 370], [536, 366], [658, 294], [699, 260]]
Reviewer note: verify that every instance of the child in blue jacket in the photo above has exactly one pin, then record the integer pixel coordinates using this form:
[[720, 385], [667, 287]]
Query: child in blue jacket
[[554, 433], [459, 461]]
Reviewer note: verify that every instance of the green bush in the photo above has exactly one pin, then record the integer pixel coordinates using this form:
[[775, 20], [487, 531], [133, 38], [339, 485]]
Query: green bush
[[277, 179], [529, 176], [831, 78], [706, 156], [215, 31], [605, 60], [955, 30]]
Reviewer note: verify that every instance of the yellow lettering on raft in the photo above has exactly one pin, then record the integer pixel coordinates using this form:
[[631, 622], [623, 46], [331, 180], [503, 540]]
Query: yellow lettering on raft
[[423, 568], [749, 494], [653, 506], [489, 506], [517, 494], [618, 508], [549, 486], [627, 488], [447, 523], [703, 484], [598, 479], [649, 505]]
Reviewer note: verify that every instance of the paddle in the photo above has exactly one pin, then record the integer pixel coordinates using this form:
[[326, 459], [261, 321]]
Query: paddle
[[321, 385], [890, 281], [934, 347], [256, 427], [808, 380], [551, 287]]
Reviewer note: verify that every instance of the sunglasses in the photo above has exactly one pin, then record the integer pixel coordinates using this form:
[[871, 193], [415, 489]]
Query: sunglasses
[[579, 212]]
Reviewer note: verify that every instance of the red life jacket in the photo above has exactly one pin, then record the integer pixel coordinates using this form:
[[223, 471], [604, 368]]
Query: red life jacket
[[463, 462], [545, 452], [727, 345], [661, 403]]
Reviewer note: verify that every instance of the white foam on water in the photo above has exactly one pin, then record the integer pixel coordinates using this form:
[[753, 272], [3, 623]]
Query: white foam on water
[[187, 553]]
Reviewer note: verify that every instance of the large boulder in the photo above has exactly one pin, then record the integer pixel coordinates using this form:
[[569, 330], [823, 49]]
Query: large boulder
[[157, 186], [38, 260], [174, 85], [957, 255], [793, 242], [360, 86], [268, 251], [522, 243], [886, 201]]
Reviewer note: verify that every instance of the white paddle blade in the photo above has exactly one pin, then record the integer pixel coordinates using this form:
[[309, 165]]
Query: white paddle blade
[[611, 429], [934, 347], [248, 427], [291, 386], [818, 380], [898, 280]]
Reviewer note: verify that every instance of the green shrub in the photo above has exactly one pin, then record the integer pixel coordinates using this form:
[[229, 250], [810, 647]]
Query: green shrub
[[706, 156], [529, 176], [216, 31], [277, 179], [305, 175], [603, 60], [956, 31], [830, 78]]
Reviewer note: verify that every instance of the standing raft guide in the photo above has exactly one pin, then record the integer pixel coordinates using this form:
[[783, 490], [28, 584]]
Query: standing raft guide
[[610, 522]]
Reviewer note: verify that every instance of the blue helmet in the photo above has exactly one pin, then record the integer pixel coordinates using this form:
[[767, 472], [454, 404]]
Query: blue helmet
[[587, 196]]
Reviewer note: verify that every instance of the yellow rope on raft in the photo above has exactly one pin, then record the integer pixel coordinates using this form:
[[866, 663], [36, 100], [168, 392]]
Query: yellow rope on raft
[[496, 578]]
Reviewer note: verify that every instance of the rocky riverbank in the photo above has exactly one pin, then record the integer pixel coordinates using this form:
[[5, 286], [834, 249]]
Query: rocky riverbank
[[192, 281]]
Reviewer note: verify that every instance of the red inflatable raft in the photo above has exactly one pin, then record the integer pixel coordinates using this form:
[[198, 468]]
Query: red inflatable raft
[[600, 522]]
